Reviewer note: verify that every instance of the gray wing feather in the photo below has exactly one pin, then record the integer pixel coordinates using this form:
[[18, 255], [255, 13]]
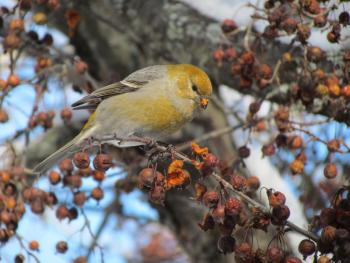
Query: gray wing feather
[[131, 83]]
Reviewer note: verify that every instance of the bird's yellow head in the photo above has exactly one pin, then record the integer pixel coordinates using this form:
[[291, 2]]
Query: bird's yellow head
[[192, 83]]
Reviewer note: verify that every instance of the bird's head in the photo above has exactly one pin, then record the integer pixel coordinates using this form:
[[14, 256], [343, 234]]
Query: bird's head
[[192, 83]]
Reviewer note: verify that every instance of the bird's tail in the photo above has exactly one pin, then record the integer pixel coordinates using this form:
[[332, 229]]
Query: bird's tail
[[71, 147]]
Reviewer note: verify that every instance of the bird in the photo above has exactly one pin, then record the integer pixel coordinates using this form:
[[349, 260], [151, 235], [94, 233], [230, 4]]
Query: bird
[[151, 102]]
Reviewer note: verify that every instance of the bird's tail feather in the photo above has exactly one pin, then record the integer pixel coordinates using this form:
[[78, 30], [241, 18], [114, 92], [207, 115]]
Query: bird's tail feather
[[71, 147]]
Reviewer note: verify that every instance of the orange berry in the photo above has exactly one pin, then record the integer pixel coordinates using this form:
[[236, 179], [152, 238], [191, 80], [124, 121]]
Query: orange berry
[[314, 54], [97, 193], [295, 142], [296, 166], [17, 24], [33, 245], [334, 90], [3, 116], [66, 114], [99, 175], [345, 91], [333, 145], [218, 55], [54, 177], [13, 80], [330, 170]]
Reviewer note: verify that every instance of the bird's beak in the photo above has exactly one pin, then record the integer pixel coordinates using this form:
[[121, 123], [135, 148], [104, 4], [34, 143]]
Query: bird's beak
[[204, 102]]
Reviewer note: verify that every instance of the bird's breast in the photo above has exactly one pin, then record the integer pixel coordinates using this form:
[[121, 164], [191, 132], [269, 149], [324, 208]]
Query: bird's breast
[[153, 116]]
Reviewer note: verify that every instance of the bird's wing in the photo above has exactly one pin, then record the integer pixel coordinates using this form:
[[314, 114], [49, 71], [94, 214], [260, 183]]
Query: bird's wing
[[132, 83]]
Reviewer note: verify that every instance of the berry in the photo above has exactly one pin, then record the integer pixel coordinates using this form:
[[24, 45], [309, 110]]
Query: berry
[[81, 160], [102, 162], [307, 247], [61, 247]]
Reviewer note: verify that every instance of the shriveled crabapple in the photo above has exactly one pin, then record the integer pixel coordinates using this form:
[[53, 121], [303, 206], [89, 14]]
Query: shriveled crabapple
[[103, 162]]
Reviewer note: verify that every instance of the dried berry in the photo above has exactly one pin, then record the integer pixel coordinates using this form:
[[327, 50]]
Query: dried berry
[[239, 182], [228, 25], [243, 152], [4, 117], [62, 212], [12, 41], [16, 24], [13, 80], [295, 142], [320, 21], [218, 213], [328, 234], [51, 199], [247, 58], [289, 25], [157, 195], [333, 145], [54, 177], [330, 170], [268, 149], [79, 198], [280, 214], [296, 167], [146, 178], [314, 54], [103, 162], [333, 37], [80, 259], [275, 254], [346, 91], [276, 198], [218, 55], [34, 245], [20, 258], [243, 253], [253, 183], [61, 247], [97, 193], [66, 166], [81, 160], [74, 181], [66, 114], [307, 247], [230, 53], [98, 176], [233, 207], [211, 199]]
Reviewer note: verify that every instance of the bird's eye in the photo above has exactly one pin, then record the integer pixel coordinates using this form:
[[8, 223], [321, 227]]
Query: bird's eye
[[194, 88]]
